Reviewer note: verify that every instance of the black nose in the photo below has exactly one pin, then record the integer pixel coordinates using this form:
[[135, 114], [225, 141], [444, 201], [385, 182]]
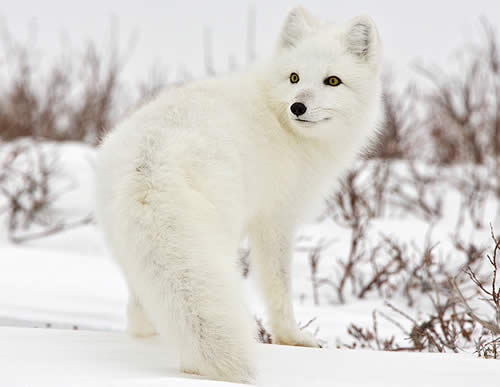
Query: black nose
[[298, 108]]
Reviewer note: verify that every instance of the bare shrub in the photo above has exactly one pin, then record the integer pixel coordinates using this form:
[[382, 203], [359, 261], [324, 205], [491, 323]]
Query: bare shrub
[[382, 275], [443, 329], [76, 99], [25, 185], [369, 338], [398, 133], [486, 347], [28, 191], [463, 106], [413, 192], [488, 287], [451, 324], [314, 256]]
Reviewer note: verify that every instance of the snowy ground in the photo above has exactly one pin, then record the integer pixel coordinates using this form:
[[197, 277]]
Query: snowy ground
[[68, 280], [52, 358]]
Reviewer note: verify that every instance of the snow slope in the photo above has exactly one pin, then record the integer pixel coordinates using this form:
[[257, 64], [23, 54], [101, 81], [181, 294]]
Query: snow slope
[[74, 358], [68, 280], [40, 286], [53, 287]]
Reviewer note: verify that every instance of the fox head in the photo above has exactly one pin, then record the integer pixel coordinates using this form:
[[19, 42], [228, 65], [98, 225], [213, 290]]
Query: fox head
[[325, 78]]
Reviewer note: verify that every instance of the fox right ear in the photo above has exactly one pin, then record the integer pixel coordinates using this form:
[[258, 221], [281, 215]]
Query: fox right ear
[[362, 38], [298, 24]]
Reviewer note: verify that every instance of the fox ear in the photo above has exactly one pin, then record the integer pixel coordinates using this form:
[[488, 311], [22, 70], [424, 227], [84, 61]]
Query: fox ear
[[298, 24], [362, 38]]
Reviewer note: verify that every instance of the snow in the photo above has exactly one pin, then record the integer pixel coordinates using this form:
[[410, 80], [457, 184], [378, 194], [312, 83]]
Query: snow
[[68, 280], [75, 358], [56, 287], [46, 286]]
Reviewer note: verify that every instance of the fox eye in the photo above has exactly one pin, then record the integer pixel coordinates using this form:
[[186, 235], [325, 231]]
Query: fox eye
[[294, 77], [332, 81]]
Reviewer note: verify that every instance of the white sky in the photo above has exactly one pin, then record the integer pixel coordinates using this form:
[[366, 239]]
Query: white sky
[[170, 32]]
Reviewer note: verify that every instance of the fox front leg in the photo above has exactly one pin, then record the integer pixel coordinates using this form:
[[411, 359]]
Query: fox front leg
[[271, 252]]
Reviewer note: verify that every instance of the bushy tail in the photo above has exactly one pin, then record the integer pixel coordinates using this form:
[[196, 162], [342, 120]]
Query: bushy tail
[[186, 279]]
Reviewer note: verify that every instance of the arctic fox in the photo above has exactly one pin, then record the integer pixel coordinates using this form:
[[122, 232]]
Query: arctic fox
[[183, 179]]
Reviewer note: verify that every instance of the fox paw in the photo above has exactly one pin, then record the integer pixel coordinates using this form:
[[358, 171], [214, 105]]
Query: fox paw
[[297, 338], [141, 331], [138, 324], [187, 369]]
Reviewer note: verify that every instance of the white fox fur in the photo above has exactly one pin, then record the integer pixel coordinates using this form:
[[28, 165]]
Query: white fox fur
[[183, 179]]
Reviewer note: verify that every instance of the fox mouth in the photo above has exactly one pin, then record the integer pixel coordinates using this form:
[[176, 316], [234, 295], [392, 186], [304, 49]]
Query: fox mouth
[[311, 122]]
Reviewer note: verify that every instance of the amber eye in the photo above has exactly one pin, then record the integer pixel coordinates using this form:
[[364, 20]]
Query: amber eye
[[332, 81], [294, 77]]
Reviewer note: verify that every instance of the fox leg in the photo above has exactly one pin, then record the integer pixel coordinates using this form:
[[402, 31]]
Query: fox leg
[[271, 257], [138, 323]]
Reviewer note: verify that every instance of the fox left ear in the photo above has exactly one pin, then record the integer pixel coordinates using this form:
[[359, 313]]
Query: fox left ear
[[298, 24], [362, 39]]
